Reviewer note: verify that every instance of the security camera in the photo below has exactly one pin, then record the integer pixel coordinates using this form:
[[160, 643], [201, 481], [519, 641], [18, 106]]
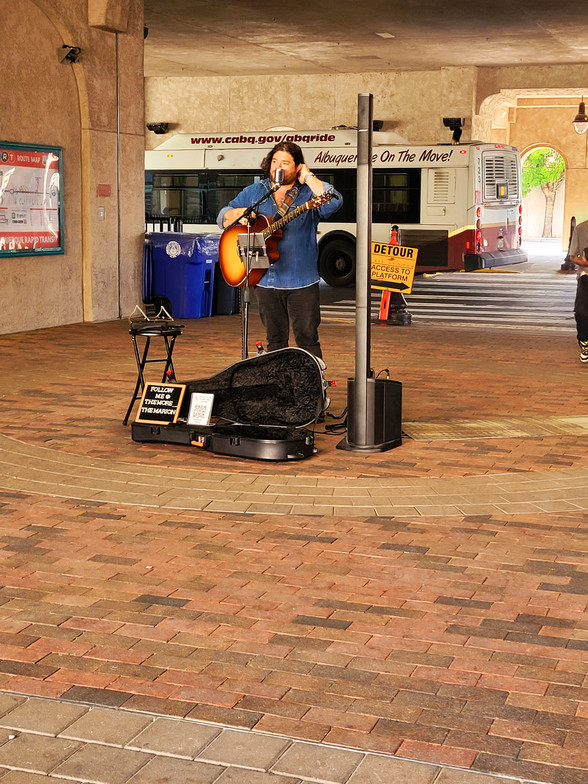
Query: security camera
[[68, 54], [454, 124], [158, 127]]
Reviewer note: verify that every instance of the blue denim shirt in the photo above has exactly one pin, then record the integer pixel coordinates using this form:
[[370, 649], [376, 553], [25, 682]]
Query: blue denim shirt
[[297, 265]]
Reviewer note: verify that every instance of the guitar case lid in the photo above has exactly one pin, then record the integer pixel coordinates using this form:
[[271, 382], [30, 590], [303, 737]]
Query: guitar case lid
[[283, 388]]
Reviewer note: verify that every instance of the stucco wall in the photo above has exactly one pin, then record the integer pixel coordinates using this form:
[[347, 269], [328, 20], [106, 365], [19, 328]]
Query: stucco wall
[[411, 103], [74, 106], [41, 108]]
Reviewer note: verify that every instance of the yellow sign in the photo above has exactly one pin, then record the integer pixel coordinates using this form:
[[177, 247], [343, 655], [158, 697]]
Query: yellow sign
[[393, 267]]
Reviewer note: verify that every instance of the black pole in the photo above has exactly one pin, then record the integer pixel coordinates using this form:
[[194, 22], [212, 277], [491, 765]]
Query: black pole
[[374, 405], [568, 265]]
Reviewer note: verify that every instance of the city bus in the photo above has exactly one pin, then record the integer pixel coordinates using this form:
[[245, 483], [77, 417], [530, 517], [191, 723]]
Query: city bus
[[460, 205]]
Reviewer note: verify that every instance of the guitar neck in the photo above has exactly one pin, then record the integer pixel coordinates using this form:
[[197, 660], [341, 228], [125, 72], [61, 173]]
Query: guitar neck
[[277, 225]]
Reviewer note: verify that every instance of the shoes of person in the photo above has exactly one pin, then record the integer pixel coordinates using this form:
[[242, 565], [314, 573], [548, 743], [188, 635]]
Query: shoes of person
[[583, 350]]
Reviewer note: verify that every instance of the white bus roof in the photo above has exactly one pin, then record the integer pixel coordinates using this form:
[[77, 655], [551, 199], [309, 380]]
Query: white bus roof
[[335, 149], [247, 140]]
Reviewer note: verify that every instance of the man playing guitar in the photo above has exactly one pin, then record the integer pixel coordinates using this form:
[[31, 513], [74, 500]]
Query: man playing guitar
[[288, 292]]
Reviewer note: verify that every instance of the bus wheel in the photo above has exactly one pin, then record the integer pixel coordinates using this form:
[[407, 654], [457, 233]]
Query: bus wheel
[[337, 263]]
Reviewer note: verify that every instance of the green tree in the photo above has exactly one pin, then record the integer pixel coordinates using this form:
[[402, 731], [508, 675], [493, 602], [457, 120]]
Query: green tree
[[545, 169]]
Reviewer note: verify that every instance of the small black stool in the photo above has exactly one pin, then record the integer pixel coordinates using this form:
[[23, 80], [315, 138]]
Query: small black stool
[[148, 329]]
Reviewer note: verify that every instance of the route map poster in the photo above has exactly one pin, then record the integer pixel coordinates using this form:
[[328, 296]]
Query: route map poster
[[31, 209]]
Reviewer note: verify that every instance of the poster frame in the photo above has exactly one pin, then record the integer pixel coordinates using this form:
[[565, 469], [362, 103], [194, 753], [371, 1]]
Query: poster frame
[[16, 147]]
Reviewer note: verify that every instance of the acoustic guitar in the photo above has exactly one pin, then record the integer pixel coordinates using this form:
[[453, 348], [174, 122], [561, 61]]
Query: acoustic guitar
[[232, 265]]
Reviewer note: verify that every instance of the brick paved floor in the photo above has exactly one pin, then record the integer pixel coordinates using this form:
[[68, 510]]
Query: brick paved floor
[[74, 742], [451, 639]]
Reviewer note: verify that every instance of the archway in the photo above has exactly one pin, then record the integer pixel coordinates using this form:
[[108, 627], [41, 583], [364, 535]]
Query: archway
[[544, 170]]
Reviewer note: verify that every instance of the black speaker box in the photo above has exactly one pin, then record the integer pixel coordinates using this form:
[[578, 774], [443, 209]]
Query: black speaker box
[[384, 415]]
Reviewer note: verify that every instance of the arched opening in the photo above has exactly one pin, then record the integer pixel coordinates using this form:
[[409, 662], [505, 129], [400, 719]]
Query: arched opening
[[544, 171]]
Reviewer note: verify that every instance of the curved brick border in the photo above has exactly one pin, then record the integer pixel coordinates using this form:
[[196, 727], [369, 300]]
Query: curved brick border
[[37, 469]]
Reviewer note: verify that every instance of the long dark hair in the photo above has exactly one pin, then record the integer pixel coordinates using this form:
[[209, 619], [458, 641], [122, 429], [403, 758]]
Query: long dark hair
[[289, 147]]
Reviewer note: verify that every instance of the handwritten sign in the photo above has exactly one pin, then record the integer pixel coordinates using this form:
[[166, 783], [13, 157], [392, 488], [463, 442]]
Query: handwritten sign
[[392, 267], [160, 403]]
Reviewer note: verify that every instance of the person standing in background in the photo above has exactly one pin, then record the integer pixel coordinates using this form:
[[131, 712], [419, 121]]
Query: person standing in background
[[577, 252]]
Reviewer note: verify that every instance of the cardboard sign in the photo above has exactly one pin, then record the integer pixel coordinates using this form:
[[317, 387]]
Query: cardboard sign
[[160, 403], [392, 267]]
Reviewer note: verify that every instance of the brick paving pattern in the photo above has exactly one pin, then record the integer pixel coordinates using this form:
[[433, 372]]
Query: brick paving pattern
[[451, 637], [42, 739]]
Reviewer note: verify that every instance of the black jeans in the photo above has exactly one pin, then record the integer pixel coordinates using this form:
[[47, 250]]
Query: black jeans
[[582, 327], [299, 309], [581, 308]]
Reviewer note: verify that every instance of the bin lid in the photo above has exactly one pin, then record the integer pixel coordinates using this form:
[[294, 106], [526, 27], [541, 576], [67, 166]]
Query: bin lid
[[184, 244]]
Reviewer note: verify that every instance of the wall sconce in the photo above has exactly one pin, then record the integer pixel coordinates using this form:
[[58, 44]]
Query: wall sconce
[[581, 120]]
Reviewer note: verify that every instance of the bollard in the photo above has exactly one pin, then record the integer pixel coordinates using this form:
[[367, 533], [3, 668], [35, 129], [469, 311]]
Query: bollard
[[568, 265]]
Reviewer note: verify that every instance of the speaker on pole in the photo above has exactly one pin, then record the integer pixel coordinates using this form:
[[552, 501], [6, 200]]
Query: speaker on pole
[[374, 404]]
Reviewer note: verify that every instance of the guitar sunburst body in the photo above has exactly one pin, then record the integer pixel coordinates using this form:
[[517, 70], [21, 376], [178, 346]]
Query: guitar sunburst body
[[232, 267]]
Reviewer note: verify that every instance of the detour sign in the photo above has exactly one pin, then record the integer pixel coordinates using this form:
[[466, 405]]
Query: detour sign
[[392, 267]]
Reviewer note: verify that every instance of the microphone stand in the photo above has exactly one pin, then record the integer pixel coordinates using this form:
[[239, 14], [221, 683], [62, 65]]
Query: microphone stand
[[247, 251]]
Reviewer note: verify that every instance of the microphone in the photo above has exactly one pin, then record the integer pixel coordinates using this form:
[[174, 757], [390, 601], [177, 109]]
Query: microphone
[[278, 177]]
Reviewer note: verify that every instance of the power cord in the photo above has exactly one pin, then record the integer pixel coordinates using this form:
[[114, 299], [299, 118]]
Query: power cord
[[337, 427]]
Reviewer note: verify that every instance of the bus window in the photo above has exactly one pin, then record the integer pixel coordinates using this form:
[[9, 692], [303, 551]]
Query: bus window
[[175, 195], [397, 196], [197, 197], [224, 186], [344, 181]]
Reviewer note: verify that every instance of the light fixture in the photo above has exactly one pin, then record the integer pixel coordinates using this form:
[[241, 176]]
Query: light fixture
[[581, 120]]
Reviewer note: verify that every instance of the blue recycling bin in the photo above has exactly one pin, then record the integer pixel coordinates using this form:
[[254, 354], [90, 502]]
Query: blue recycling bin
[[180, 267]]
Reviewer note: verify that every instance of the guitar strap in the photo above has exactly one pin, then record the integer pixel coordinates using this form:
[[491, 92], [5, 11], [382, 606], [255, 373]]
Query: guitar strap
[[287, 203]]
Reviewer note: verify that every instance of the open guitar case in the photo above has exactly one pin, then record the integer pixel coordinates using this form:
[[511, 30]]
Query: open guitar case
[[263, 407]]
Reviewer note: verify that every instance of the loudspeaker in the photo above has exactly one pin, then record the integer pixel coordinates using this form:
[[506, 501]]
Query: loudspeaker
[[384, 415]]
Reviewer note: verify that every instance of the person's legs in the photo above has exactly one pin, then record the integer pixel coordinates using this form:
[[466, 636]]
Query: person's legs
[[274, 316], [582, 331], [581, 315], [582, 327], [305, 316]]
